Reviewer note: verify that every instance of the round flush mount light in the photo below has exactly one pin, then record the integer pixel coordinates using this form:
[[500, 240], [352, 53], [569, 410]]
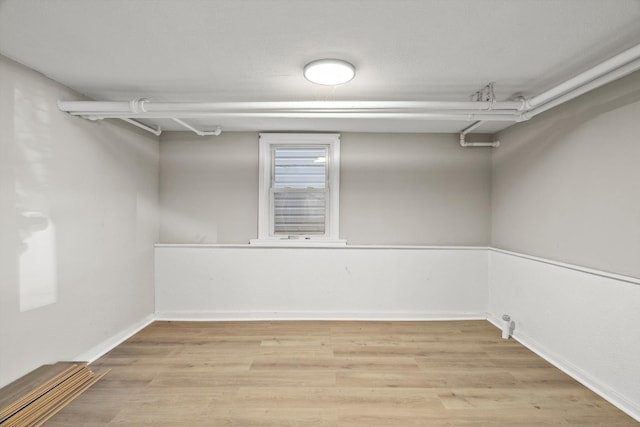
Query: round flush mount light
[[329, 72]]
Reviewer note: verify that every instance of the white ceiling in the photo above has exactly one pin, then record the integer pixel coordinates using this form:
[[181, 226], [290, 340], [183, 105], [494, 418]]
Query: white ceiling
[[254, 50]]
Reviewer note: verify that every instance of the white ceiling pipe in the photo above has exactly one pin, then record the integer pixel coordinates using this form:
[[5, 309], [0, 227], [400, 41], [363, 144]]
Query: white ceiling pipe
[[594, 84], [450, 115], [90, 106], [463, 143], [467, 115], [469, 129], [334, 105], [512, 115], [609, 77], [155, 131], [216, 132], [319, 112], [606, 72], [177, 108], [581, 79], [351, 110]]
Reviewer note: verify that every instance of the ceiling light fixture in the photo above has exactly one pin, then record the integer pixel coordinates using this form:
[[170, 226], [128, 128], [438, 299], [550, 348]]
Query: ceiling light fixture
[[329, 72]]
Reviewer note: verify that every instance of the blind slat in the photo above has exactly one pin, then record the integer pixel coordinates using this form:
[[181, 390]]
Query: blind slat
[[300, 167], [299, 212]]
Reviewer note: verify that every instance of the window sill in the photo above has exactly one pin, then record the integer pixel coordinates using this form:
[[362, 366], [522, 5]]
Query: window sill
[[296, 243]]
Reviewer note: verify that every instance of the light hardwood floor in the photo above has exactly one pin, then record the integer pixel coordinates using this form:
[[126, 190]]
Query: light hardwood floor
[[332, 374]]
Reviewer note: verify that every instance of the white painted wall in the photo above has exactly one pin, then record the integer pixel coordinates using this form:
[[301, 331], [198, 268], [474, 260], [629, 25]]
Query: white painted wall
[[244, 282], [78, 219], [584, 323]]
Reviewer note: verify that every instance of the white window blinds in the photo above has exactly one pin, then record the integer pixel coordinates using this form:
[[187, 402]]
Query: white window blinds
[[299, 190]]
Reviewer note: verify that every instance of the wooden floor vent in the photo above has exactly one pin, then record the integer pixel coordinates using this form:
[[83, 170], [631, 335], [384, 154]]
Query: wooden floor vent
[[36, 397]]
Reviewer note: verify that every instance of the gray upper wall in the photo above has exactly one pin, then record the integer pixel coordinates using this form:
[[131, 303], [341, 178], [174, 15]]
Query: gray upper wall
[[208, 188], [566, 185], [414, 189]]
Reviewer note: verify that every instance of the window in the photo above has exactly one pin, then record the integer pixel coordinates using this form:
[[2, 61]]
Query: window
[[299, 188]]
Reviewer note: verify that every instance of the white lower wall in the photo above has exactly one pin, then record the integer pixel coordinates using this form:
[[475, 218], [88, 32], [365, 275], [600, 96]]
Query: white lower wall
[[242, 282], [583, 321]]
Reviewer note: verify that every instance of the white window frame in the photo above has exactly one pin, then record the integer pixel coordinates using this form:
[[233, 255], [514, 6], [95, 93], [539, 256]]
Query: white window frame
[[265, 209]]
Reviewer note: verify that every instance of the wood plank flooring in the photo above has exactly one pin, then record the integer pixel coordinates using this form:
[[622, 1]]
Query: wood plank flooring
[[332, 374]]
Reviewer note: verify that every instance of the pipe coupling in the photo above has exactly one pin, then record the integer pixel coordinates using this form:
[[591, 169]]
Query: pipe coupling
[[137, 105]]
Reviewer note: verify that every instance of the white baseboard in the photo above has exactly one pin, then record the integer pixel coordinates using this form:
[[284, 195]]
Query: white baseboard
[[266, 316], [610, 395], [110, 343], [107, 345]]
